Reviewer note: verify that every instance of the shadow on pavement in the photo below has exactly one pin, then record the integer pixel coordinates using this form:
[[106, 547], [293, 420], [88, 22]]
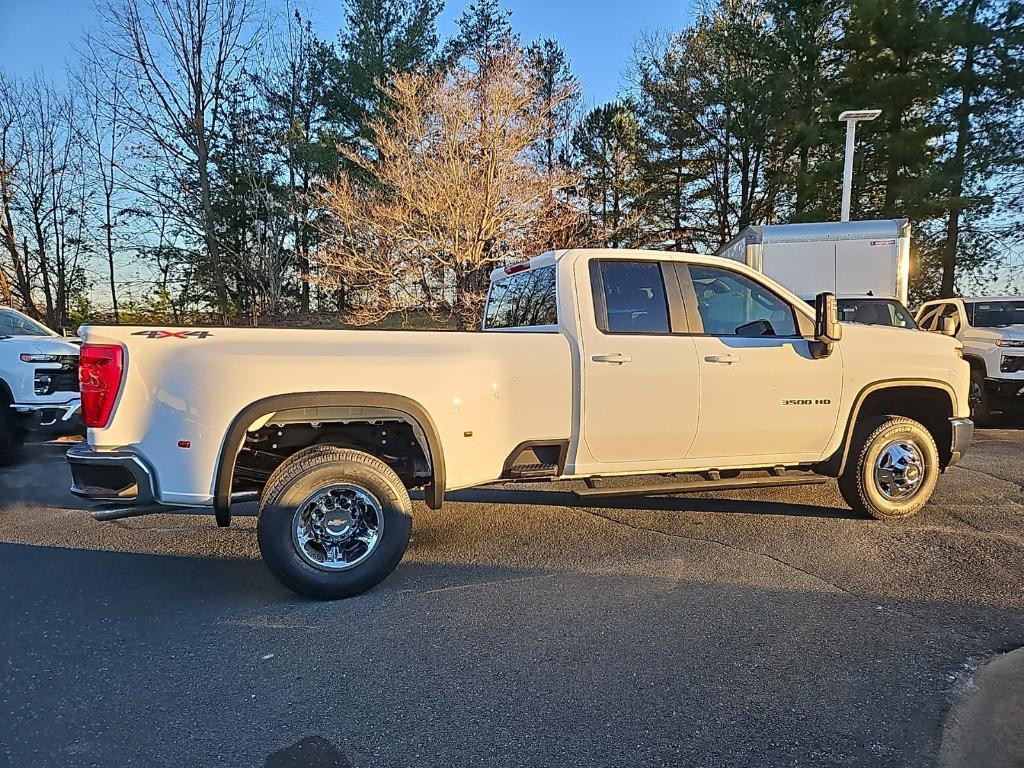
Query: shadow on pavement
[[680, 503]]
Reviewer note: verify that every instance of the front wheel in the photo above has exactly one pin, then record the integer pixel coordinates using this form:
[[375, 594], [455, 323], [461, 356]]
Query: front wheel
[[12, 437], [333, 522], [892, 468], [981, 404]]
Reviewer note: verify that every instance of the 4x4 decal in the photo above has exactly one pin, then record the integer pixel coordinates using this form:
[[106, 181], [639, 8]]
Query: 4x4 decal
[[173, 334]]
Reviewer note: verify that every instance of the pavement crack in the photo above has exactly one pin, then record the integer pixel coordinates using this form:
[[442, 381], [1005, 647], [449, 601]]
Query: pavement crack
[[841, 590], [962, 468], [472, 585], [727, 545]]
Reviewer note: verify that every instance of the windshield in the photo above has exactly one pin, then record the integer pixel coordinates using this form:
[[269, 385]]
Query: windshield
[[16, 324], [995, 314], [875, 312]]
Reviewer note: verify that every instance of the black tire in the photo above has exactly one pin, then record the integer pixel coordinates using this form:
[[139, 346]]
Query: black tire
[[299, 478], [859, 483], [12, 436], [981, 404]]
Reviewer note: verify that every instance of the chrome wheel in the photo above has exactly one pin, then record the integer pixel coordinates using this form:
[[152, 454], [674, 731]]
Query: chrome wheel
[[899, 470], [337, 527]]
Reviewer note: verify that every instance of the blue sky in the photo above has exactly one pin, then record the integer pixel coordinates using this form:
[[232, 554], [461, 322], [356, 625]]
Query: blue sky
[[37, 35]]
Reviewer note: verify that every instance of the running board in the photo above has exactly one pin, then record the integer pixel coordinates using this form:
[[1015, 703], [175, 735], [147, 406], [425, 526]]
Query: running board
[[698, 486]]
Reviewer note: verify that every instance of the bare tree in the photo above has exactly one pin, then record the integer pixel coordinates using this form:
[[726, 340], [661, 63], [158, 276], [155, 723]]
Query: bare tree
[[182, 54], [101, 87], [457, 190], [12, 149]]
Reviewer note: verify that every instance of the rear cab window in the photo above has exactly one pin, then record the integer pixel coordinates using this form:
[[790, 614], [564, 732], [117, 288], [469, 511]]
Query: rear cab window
[[634, 298], [523, 300]]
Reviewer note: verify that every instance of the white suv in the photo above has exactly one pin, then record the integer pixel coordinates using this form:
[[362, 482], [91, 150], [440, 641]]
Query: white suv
[[992, 332], [38, 381]]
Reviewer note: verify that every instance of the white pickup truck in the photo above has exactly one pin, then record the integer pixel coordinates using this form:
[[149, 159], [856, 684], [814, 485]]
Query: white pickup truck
[[591, 364], [38, 381], [992, 332]]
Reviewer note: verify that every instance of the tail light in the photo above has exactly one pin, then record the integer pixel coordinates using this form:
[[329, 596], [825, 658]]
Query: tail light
[[99, 371]]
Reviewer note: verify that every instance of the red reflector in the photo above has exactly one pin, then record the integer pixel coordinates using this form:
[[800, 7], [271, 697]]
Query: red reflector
[[99, 370], [511, 269], [184, 444]]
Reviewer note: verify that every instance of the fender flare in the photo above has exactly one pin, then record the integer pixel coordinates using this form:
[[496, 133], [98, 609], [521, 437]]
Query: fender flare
[[976, 360], [433, 492], [836, 463]]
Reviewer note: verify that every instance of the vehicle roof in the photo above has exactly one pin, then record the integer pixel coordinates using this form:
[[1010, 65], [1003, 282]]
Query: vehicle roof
[[865, 297], [973, 298], [821, 231], [648, 254]]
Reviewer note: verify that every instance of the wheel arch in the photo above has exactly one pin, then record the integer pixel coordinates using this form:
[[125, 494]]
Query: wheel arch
[[225, 469], [915, 398], [976, 361]]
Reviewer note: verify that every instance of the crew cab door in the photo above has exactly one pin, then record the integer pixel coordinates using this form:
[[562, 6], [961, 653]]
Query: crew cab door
[[763, 396], [640, 383]]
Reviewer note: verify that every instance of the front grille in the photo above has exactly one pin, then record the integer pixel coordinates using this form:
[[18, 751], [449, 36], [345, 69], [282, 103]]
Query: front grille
[[63, 379], [1011, 364]]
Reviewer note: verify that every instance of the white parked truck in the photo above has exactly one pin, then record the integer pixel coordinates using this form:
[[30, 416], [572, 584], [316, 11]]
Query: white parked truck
[[865, 263], [38, 381], [591, 364], [992, 332]]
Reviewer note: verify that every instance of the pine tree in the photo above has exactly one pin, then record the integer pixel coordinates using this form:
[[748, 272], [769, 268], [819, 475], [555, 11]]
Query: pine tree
[[380, 38], [608, 146], [895, 62], [984, 143]]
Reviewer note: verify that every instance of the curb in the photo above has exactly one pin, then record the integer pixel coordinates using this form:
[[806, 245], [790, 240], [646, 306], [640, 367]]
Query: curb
[[985, 726]]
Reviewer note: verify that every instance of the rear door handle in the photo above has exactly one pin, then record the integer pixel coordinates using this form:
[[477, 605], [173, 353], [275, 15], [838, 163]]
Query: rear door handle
[[727, 359], [615, 357]]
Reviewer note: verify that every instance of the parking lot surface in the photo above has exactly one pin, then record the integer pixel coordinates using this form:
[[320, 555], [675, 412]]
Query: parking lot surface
[[524, 628]]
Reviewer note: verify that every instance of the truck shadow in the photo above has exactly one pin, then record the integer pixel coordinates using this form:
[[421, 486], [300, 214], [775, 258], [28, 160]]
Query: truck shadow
[[561, 498]]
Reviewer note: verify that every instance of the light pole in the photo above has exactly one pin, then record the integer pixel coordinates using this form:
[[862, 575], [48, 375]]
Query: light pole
[[851, 118]]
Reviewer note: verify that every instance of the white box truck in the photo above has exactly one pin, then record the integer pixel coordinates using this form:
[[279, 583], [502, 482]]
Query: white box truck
[[865, 263]]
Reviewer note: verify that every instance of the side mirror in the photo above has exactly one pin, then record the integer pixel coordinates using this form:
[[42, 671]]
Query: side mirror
[[826, 319], [947, 326]]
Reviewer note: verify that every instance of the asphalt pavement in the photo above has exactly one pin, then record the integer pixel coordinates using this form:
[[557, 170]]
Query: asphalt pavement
[[524, 628]]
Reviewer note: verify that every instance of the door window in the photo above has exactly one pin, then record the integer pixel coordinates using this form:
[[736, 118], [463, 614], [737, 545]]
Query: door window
[[927, 320], [731, 304], [633, 294]]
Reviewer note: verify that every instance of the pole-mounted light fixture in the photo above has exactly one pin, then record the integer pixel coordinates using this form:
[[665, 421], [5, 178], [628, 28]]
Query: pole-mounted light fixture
[[851, 117]]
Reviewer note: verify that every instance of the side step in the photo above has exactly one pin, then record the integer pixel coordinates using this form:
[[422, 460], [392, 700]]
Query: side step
[[532, 471], [698, 486]]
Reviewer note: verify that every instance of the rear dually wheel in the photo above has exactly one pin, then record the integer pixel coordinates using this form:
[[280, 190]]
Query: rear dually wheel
[[333, 522]]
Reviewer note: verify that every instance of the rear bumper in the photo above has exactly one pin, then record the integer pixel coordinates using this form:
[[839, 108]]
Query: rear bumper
[[963, 431], [112, 477]]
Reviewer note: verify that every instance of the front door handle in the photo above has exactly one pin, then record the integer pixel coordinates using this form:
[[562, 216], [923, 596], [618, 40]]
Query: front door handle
[[727, 359], [615, 357]]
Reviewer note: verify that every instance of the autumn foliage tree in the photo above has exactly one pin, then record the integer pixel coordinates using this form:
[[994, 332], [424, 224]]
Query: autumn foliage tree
[[449, 189]]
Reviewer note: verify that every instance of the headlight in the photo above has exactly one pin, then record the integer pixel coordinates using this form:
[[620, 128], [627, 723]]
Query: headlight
[[1009, 343], [26, 358]]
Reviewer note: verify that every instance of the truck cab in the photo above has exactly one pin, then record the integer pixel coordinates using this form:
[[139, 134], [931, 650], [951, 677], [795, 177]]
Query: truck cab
[[38, 382], [992, 332]]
